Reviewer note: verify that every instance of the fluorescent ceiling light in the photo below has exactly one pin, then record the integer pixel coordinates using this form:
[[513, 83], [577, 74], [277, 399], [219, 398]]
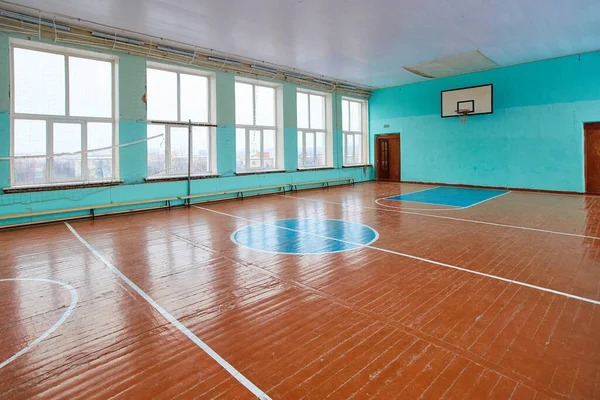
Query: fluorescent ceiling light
[[117, 38], [297, 76], [224, 61], [176, 51], [33, 20], [348, 87], [323, 82], [266, 69]]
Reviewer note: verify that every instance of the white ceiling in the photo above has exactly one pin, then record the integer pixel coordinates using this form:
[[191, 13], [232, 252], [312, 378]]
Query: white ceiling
[[361, 41]]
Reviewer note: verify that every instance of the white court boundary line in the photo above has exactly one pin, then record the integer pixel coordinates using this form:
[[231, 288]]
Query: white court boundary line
[[195, 339], [450, 208], [529, 191], [453, 208], [474, 221], [441, 264], [66, 314], [234, 239]]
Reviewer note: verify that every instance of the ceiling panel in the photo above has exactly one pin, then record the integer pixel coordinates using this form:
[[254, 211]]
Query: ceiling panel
[[366, 42]]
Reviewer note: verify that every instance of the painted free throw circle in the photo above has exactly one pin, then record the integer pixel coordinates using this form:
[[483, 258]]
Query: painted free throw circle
[[305, 236]]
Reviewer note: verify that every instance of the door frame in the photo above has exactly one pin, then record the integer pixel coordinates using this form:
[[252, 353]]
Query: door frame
[[587, 128], [383, 137]]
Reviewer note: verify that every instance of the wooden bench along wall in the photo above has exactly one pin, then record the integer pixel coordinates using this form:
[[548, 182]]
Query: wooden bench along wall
[[335, 182], [238, 193]]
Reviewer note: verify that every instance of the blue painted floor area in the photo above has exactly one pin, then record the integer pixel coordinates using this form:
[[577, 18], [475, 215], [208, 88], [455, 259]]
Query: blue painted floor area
[[450, 196], [305, 236]]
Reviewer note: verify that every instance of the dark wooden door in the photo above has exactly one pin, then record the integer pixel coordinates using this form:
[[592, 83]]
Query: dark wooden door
[[388, 157], [592, 157]]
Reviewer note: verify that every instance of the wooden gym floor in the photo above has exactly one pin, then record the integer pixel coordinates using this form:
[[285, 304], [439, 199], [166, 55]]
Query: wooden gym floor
[[499, 300]]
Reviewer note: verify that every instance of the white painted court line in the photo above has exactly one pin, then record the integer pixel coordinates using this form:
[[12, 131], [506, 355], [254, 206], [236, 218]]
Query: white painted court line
[[228, 367], [453, 208], [417, 191], [474, 221], [66, 314], [441, 264], [450, 208]]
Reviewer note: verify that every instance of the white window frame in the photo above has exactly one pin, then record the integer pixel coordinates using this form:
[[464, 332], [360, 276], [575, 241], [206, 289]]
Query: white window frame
[[277, 93], [327, 130], [66, 52], [363, 133], [211, 115]]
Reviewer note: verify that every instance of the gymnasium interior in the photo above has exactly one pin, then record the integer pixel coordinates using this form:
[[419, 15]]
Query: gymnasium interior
[[299, 199]]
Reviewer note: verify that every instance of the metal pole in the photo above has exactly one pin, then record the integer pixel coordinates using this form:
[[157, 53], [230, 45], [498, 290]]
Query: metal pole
[[189, 176]]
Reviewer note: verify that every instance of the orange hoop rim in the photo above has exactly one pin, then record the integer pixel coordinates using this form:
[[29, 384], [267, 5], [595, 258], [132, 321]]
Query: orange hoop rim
[[463, 112]]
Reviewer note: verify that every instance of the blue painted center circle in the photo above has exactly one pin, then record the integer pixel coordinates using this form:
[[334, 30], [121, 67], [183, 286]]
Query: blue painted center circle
[[305, 236]]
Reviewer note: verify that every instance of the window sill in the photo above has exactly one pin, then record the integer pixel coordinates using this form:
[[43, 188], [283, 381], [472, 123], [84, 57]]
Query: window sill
[[357, 166], [58, 186], [179, 178], [302, 169], [262, 171]]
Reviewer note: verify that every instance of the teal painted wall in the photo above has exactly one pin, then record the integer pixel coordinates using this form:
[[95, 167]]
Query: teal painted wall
[[4, 111], [290, 130], [225, 88], [132, 159], [338, 141], [533, 140], [132, 118]]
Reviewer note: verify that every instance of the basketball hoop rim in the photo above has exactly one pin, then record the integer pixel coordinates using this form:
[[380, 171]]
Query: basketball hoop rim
[[463, 112]]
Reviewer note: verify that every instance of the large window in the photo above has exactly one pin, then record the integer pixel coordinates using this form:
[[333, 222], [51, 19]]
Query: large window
[[354, 131], [312, 130], [63, 109], [256, 127], [174, 97]]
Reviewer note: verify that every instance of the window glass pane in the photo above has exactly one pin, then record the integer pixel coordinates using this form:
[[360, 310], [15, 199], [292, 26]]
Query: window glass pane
[[194, 98], [310, 148], [240, 149], [39, 82], [162, 95], [90, 88], [345, 115], [30, 137], [179, 151], [302, 105], [300, 149], [269, 149], [200, 150], [320, 150], [255, 153], [156, 150], [317, 112], [265, 106], [357, 149], [348, 149], [30, 140], [67, 139], [99, 135], [244, 112], [344, 141], [355, 116]]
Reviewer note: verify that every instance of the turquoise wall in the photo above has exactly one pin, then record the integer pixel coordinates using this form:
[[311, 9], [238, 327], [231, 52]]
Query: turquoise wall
[[4, 111], [533, 140], [132, 159]]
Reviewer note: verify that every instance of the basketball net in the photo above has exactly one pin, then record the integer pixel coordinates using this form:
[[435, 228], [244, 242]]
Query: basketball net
[[463, 115]]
